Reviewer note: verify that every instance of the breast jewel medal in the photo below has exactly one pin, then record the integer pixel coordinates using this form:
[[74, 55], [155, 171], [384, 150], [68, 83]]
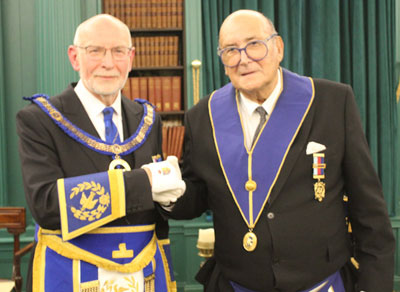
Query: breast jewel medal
[[94, 143], [250, 238], [118, 161], [319, 173]]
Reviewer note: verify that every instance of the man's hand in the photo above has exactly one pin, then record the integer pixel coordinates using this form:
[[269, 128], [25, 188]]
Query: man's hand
[[166, 180]]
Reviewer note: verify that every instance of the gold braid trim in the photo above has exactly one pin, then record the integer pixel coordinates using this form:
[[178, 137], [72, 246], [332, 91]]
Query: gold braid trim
[[115, 148], [171, 284], [71, 251], [92, 286], [149, 283]]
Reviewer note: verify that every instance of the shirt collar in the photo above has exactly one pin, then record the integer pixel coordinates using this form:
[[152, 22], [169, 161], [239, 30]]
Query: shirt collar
[[92, 104], [269, 104]]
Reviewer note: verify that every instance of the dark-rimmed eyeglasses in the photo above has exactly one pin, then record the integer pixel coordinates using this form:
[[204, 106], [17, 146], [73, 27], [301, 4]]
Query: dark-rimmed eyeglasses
[[255, 50], [97, 53]]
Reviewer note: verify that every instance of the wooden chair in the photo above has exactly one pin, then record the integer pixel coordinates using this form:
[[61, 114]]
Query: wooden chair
[[14, 219]]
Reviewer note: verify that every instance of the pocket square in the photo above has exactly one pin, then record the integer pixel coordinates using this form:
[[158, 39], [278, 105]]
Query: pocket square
[[314, 147]]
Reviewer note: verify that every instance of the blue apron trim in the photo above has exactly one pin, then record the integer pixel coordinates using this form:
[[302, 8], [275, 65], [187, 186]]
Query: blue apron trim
[[237, 288], [271, 148], [167, 251], [334, 282], [135, 241], [149, 269], [160, 276], [58, 271], [89, 272]]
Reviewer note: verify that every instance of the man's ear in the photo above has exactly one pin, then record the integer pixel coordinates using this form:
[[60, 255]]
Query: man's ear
[[73, 57], [281, 47], [131, 57]]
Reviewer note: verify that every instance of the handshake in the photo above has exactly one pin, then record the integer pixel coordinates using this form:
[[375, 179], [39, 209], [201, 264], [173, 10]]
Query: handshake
[[166, 180]]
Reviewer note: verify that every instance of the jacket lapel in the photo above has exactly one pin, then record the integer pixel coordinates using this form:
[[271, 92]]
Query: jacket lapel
[[131, 117], [73, 110], [297, 149]]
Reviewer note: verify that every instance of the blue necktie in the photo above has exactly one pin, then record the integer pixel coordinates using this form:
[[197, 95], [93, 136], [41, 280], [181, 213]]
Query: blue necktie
[[112, 135]]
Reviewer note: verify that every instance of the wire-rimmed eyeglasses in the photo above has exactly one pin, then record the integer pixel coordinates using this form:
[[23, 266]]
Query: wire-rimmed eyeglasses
[[255, 50], [98, 53]]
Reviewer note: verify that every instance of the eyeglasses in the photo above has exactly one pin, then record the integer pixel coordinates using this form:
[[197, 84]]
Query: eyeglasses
[[255, 50], [97, 53]]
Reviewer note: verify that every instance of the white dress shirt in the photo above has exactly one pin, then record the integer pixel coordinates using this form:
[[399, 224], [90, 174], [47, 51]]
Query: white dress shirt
[[250, 118], [94, 108]]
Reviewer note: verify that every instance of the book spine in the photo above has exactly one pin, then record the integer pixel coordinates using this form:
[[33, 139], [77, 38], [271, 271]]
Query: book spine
[[142, 42], [162, 51], [143, 88], [180, 142], [174, 13], [180, 13], [174, 137], [176, 51], [171, 50], [135, 90], [147, 51], [166, 93], [157, 51], [126, 91], [164, 5], [164, 141], [151, 90], [176, 93], [158, 93]]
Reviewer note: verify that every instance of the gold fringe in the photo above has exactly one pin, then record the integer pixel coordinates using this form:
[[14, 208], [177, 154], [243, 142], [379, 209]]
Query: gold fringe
[[92, 286], [70, 251], [170, 284], [39, 265], [149, 283]]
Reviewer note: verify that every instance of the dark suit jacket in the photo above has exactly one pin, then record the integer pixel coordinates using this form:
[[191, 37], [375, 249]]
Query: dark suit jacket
[[300, 240], [48, 154]]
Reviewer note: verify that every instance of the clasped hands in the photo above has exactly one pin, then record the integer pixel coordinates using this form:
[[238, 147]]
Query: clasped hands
[[166, 180]]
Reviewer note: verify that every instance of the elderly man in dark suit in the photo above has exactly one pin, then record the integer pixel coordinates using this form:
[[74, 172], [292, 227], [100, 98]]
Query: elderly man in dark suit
[[272, 154], [81, 152]]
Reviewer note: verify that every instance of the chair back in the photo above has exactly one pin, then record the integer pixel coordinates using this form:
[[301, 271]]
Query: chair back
[[14, 220]]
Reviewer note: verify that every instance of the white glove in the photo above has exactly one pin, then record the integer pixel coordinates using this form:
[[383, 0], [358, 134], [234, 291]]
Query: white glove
[[168, 198], [167, 184]]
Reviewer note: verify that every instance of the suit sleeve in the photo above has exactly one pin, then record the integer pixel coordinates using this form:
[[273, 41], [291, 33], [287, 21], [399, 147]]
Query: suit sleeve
[[137, 184], [41, 167], [194, 201], [374, 240]]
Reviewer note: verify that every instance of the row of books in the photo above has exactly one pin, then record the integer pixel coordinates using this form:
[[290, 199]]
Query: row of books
[[156, 51], [164, 92], [147, 13], [172, 140]]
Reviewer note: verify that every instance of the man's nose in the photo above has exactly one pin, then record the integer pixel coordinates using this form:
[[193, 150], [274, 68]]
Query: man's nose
[[108, 60], [243, 57]]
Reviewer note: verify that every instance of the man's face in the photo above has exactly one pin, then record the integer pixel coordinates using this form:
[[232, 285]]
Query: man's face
[[252, 77], [104, 76]]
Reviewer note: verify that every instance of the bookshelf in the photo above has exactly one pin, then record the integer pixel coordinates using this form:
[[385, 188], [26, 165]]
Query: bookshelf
[[158, 74]]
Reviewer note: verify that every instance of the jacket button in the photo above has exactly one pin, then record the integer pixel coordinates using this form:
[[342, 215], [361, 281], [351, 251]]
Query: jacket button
[[271, 215]]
